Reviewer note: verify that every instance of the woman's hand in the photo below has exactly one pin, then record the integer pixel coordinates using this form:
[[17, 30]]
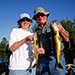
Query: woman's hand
[[40, 51], [29, 38]]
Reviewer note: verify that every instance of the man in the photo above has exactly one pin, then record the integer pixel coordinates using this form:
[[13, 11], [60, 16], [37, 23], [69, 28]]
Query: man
[[47, 59], [19, 44]]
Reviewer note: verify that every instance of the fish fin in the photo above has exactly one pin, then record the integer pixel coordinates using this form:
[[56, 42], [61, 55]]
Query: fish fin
[[58, 66], [59, 37], [35, 65], [33, 55], [31, 44]]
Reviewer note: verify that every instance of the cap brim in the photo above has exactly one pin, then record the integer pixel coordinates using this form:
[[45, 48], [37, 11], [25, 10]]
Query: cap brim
[[30, 20], [47, 13]]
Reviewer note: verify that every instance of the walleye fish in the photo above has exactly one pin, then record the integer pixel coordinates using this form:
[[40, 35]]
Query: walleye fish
[[57, 40], [35, 45]]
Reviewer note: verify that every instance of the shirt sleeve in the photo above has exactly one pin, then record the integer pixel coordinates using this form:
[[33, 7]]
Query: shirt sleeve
[[12, 38]]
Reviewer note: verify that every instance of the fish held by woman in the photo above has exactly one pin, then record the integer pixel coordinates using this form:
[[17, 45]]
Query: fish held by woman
[[35, 45]]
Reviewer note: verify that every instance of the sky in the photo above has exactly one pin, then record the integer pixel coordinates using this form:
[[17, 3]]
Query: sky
[[10, 11]]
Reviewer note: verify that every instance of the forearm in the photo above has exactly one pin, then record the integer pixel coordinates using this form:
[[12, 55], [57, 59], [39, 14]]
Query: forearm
[[16, 45]]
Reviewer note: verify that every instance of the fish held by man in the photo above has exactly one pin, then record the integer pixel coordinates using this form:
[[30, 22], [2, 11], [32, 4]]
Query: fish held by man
[[57, 42]]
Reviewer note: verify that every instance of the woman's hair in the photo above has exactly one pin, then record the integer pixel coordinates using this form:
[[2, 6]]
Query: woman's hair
[[19, 24]]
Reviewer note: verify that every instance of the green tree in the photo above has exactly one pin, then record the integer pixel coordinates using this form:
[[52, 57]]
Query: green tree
[[4, 50], [3, 44]]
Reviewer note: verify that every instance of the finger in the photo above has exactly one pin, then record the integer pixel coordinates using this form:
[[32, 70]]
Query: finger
[[37, 50]]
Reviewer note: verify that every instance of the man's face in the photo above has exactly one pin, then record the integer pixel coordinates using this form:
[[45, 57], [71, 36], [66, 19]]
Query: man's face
[[41, 18]]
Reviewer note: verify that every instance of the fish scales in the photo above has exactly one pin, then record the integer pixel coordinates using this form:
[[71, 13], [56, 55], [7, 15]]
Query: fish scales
[[57, 41]]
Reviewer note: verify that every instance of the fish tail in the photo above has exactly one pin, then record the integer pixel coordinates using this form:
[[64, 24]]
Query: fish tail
[[58, 66]]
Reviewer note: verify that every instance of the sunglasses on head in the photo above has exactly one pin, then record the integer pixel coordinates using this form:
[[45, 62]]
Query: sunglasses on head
[[37, 16], [25, 19]]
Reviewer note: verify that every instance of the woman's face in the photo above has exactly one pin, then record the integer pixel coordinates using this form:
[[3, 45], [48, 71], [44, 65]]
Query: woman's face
[[25, 24]]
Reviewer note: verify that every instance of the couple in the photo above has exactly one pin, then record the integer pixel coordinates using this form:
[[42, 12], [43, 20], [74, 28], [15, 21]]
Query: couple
[[19, 44]]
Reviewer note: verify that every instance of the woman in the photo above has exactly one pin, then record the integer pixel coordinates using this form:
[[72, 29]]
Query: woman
[[19, 44]]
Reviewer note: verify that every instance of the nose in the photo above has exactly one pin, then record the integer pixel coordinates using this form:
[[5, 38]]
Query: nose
[[40, 16], [25, 21]]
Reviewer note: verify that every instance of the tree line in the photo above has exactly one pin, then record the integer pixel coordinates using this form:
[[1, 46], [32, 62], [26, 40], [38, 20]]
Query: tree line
[[70, 46]]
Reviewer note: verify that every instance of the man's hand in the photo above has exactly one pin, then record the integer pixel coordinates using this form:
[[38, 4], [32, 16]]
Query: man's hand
[[40, 51], [60, 28], [63, 33]]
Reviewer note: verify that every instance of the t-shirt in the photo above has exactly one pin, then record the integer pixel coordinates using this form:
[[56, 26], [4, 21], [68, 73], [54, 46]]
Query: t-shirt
[[20, 59]]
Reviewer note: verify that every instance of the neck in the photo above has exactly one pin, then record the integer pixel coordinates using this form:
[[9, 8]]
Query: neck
[[43, 24], [25, 29]]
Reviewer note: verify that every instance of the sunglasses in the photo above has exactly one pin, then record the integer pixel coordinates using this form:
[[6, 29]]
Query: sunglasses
[[25, 19], [37, 16]]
